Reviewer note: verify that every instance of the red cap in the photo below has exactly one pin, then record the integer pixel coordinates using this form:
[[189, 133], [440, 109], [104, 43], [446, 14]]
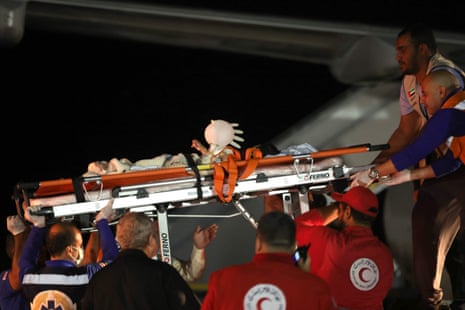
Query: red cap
[[359, 198]]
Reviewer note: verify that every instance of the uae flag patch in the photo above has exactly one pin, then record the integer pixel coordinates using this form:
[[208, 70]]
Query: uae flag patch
[[411, 92]]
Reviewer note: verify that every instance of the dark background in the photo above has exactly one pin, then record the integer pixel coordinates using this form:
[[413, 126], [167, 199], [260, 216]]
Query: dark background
[[74, 100], [69, 100]]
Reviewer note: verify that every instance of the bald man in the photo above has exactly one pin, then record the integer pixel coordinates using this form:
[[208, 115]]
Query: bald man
[[439, 211]]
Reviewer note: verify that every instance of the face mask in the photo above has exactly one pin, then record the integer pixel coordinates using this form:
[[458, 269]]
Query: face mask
[[80, 255]]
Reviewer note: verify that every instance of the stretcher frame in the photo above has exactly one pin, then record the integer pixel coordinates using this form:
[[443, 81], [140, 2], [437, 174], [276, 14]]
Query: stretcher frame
[[179, 186], [156, 191]]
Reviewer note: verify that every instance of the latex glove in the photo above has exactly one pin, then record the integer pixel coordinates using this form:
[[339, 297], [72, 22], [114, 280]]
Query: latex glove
[[220, 133], [361, 178], [203, 237], [15, 224], [36, 220], [106, 212], [398, 178]]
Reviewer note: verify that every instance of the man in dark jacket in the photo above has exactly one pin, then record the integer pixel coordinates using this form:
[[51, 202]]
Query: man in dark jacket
[[135, 280]]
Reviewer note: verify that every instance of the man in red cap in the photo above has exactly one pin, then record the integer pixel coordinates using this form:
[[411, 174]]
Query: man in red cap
[[358, 267]]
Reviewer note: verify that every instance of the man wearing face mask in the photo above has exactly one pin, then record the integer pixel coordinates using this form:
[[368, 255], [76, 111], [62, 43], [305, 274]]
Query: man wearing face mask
[[61, 283]]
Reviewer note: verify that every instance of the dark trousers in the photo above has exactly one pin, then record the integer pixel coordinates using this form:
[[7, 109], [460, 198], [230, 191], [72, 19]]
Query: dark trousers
[[438, 219]]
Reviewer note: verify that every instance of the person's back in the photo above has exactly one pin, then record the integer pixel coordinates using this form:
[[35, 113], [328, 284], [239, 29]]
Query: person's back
[[356, 263], [271, 280], [61, 283], [358, 267], [135, 280]]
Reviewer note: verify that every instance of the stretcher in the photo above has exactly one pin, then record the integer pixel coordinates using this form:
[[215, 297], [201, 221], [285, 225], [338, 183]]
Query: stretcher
[[156, 191], [227, 181]]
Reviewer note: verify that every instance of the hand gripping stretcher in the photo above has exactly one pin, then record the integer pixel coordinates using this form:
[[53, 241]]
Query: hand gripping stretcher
[[156, 191]]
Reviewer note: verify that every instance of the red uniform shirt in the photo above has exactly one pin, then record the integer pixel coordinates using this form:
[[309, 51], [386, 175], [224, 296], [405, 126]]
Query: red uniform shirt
[[270, 281], [358, 267]]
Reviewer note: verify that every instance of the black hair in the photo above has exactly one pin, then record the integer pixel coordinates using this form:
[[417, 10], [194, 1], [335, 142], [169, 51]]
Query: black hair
[[277, 228], [420, 34], [362, 218], [58, 238]]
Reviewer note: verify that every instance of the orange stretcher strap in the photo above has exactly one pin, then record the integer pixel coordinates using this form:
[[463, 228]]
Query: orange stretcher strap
[[252, 156], [230, 167], [253, 152]]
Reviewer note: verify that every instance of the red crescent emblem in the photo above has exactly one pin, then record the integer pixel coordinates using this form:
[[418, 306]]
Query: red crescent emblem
[[360, 274], [260, 301]]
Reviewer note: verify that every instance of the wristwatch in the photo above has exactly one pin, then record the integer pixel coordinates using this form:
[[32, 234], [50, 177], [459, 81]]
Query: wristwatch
[[374, 174]]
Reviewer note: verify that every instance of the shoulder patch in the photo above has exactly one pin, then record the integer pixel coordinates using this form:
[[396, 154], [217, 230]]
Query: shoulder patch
[[364, 274]]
